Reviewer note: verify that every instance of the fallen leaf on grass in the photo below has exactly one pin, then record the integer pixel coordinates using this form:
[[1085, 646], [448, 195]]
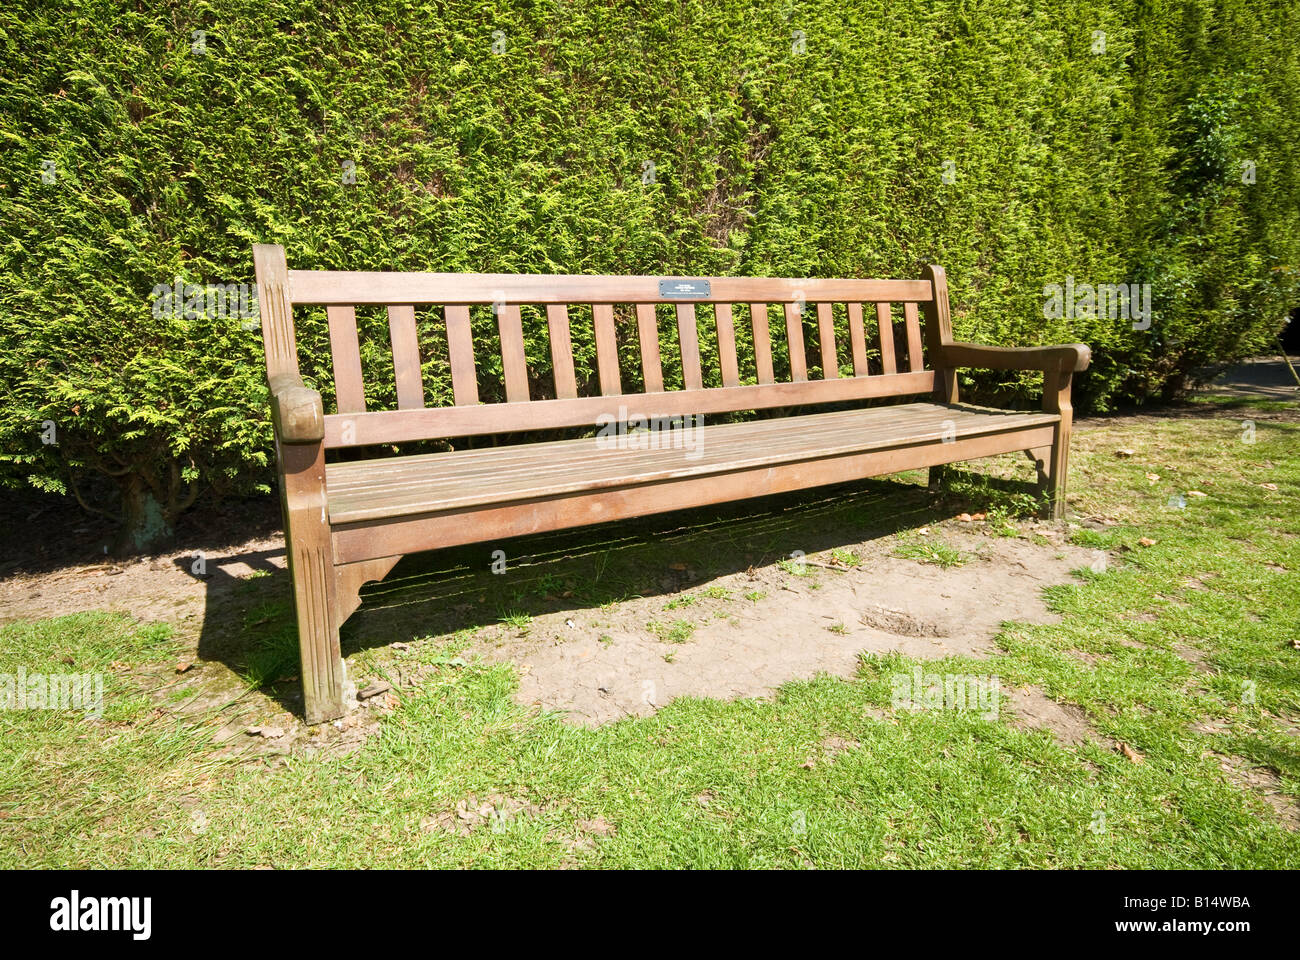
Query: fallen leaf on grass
[[1196, 493], [1129, 752], [1269, 486], [1153, 477], [1125, 453], [1146, 542]]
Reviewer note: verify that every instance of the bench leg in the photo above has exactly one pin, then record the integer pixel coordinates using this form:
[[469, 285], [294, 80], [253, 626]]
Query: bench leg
[[315, 586], [1056, 399], [937, 476], [1057, 468]]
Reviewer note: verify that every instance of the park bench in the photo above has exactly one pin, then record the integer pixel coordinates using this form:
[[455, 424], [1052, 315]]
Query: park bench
[[348, 522]]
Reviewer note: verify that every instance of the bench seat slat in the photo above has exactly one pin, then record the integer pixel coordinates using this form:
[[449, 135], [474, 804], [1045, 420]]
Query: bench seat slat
[[470, 462], [491, 522], [433, 482], [577, 460]]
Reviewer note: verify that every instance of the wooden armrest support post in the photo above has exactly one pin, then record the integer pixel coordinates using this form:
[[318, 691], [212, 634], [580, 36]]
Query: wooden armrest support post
[[1059, 364], [296, 411], [299, 420]]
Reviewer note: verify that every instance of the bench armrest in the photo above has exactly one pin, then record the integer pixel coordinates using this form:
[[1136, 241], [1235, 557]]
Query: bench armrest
[[296, 410], [1073, 357]]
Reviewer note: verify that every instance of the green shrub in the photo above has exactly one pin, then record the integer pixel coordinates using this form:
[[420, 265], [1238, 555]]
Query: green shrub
[[169, 155]]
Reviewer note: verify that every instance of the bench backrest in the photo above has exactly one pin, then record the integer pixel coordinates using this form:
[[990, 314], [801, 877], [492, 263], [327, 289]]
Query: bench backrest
[[718, 302]]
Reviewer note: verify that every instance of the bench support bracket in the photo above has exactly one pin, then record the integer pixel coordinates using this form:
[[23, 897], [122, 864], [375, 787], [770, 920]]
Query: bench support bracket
[[351, 578]]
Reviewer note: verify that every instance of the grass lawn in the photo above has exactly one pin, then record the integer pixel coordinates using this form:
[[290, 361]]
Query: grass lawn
[[1181, 646]]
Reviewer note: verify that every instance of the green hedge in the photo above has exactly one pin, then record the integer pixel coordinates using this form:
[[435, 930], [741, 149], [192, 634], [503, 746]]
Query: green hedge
[[1105, 167]]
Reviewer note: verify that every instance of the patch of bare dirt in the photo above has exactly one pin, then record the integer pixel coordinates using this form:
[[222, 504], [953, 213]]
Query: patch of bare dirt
[[494, 810], [601, 665], [1197, 657], [171, 587], [1266, 783], [55, 565], [1068, 723], [583, 838], [830, 749]]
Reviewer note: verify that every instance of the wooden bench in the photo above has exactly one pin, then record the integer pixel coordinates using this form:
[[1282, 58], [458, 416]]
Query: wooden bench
[[349, 522]]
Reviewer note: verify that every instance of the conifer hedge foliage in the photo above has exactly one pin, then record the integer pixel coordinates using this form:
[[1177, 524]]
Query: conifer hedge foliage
[[1020, 144]]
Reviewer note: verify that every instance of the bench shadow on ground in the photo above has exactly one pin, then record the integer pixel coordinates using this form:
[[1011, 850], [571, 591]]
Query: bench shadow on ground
[[248, 621]]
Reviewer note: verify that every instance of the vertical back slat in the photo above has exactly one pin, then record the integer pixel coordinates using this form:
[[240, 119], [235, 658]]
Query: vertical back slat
[[826, 340], [913, 336], [794, 336], [513, 361], [602, 315], [647, 328], [557, 321], [346, 352], [885, 322], [762, 343], [460, 349], [689, 335], [727, 345], [857, 340], [406, 356]]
